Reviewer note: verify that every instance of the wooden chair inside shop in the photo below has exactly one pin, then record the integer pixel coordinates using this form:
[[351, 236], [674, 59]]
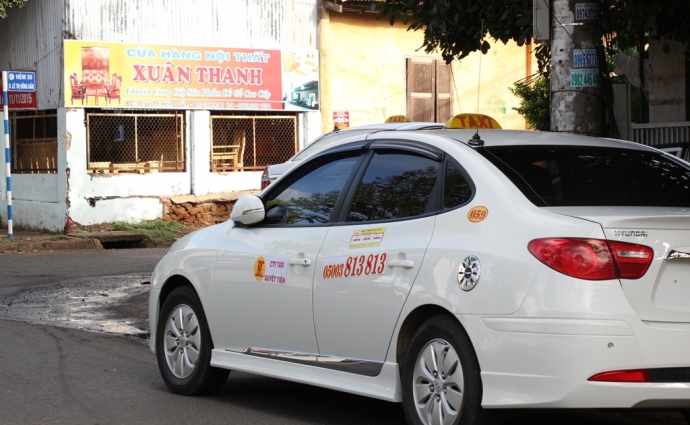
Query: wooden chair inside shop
[[113, 88], [77, 88], [37, 155], [227, 152], [95, 64]]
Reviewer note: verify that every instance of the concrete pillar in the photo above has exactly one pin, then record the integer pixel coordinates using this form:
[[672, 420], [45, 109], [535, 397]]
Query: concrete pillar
[[575, 86], [200, 149], [64, 140]]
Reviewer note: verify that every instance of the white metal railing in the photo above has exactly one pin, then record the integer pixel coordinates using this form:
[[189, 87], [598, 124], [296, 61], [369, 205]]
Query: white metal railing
[[661, 132]]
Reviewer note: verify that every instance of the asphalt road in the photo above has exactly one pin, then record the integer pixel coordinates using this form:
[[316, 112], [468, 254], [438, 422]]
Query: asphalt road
[[22, 270], [53, 375]]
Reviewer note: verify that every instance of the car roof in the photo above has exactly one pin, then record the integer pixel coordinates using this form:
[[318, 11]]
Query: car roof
[[494, 138], [525, 137]]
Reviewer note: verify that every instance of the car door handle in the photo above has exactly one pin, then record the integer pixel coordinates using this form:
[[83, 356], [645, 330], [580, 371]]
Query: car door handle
[[299, 262], [405, 264]]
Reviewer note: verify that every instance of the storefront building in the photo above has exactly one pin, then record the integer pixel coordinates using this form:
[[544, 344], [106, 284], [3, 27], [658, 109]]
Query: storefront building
[[148, 112]]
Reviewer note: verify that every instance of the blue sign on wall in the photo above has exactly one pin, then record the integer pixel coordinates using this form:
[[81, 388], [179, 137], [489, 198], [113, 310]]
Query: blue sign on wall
[[23, 81]]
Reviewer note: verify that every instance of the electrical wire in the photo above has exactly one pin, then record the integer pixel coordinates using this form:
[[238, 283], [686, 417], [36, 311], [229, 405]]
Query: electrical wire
[[479, 82]]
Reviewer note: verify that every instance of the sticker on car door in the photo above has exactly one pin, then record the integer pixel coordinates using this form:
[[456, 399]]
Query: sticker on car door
[[477, 214], [271, 270], [367, 237]]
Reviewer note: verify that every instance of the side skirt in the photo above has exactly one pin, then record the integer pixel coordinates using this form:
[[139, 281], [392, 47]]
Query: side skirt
[[384, 386]]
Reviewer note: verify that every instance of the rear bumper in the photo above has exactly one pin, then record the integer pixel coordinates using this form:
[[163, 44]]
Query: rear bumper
[[538, 362]]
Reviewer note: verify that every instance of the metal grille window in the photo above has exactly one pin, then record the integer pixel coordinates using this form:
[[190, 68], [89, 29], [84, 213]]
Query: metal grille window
[[246, 143], [34, 143], [135, 143]]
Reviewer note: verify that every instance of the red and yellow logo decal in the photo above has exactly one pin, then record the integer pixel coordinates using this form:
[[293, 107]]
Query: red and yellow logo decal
[[477, 214], [259, 269]]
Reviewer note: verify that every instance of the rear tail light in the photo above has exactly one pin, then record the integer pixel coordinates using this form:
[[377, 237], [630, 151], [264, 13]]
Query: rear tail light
[[639, 375], [265, 179], [633, 260], [593, 259]]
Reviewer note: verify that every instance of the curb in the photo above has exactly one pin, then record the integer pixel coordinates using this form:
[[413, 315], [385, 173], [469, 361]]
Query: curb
[[69, 244]]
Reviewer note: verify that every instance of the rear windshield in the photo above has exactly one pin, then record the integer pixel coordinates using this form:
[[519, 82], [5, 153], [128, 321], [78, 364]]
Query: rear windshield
[[593, 176]]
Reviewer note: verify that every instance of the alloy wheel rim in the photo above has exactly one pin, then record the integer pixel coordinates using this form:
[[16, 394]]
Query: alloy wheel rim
[[182, 341], [438, 384]]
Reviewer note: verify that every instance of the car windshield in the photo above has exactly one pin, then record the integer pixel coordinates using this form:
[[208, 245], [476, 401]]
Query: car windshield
[[593, 176]]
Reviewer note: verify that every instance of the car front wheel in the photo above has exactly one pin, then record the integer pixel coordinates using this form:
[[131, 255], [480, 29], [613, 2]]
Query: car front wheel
[[440, 377], [183, 346]]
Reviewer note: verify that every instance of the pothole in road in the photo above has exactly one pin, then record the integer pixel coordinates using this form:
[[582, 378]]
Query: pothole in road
[[113, 305]]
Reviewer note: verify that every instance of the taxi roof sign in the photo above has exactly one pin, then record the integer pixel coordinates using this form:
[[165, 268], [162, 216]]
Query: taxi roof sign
[[475, 121], [397, 118]]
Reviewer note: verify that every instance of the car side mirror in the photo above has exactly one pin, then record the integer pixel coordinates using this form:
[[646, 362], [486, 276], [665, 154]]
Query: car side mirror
[[249, 209]]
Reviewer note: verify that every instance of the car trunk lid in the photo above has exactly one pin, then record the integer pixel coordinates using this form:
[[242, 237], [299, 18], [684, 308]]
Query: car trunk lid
[[663, 293]]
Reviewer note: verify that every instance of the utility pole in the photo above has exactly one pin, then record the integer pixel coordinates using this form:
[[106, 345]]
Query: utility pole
[[576, 95]]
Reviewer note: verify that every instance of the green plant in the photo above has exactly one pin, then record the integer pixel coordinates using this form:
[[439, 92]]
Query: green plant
[[534, 102], [8, 4], [157, 230], [58, 236]]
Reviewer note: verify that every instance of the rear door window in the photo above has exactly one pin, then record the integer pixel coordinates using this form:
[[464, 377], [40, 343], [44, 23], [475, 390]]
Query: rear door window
[[593, 176], [396, 185], [456, 188]]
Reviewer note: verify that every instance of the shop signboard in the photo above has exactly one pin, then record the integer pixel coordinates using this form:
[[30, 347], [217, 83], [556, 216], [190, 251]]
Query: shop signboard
[[152, 76], [21, 90]]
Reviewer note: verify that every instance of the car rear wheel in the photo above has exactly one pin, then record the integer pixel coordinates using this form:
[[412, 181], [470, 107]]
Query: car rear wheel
[[183, 346], [440, 377]]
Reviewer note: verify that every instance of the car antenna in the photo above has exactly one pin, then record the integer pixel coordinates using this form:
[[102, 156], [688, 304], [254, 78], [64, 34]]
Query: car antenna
[[476, 140], [479, 74]]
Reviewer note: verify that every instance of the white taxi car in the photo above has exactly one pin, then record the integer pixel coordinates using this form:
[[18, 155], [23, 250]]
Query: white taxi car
[[457, 273]]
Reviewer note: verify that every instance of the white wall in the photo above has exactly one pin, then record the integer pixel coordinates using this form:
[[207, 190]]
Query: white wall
[[103, 198], [46, 200], [38, 200], [666, 81]]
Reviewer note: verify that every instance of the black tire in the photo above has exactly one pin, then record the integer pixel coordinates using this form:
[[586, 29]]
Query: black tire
[[686, 415], [446, 338], [202, 378]]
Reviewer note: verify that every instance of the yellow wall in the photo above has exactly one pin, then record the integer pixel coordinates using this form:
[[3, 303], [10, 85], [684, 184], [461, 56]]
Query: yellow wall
[[363, 72], [500, 68]]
